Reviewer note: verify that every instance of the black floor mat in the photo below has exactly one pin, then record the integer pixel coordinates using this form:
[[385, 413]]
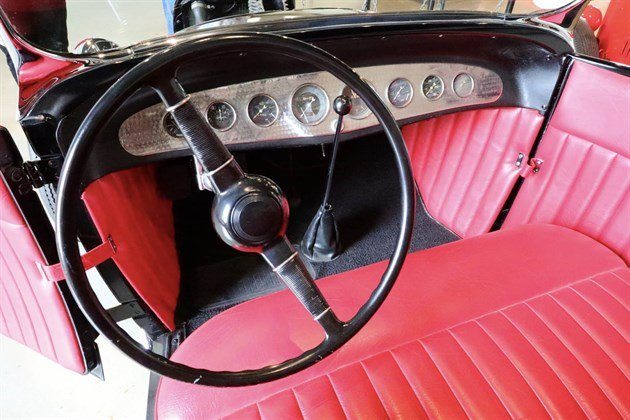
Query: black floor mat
[[366, 206]]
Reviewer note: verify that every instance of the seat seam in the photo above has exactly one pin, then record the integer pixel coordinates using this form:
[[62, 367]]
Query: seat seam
[[614, 273], [544, 359], [481, 373], [509, 359], [448, 383], [18, 323], [378, 395], [608, 293], [580, 325], [596, 309], [35, 299], [332, 385], [413, 390], [580, 360], [18, 290], [575, 177], [297, 401]]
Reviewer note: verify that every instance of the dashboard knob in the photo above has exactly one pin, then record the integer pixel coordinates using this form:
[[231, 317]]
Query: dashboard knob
[[342, 105]]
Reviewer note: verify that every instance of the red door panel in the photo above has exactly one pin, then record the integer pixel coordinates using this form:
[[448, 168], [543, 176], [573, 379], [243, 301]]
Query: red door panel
[[584, 181], [32, 310], [465, 163]]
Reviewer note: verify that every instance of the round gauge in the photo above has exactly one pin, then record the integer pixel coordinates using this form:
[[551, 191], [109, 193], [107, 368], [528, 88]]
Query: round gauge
[[310, 104], [359, 108], [432, 87], [463, 85], [400, 92], [263, 110], [221, 116], [171, 127]]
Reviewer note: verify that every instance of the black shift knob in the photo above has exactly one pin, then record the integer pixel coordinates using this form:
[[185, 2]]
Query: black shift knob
[[342, 105]]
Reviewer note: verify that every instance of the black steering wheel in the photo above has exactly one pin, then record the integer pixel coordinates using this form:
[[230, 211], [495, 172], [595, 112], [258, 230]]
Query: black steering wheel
[[249, 212]]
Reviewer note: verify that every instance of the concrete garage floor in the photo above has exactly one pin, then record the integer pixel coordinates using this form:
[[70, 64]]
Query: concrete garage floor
[[31, 386]]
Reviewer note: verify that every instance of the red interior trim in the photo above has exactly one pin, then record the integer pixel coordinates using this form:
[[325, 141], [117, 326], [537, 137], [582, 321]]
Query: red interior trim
[[465, 163], [128, 206]]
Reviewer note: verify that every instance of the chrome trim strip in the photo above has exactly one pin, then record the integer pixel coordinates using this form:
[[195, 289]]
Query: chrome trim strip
[[178, 104], [285, 262]]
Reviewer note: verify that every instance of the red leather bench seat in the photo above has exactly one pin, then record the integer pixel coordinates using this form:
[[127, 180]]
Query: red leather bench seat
[[526, 322]]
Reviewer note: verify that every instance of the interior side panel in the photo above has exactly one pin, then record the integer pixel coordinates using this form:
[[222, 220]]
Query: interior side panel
[[465, 163], [583, 182], [32, 310], [127, 206]]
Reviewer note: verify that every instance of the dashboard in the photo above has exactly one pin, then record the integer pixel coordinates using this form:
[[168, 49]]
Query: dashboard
[[295, 107]]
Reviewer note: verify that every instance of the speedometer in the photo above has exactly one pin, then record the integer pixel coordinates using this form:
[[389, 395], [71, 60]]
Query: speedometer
[[310, 104], [263, 110]]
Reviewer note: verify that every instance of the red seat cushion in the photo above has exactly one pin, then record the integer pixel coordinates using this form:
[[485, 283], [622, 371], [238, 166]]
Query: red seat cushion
[[525, 322]]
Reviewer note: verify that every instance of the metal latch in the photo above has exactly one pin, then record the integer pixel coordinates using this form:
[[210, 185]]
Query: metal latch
[[532, 166]]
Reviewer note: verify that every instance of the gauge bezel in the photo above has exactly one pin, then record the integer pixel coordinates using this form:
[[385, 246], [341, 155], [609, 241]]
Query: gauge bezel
[[221, 101], [441, 91], [169, 115], [368, 111], [326, 104], [410, 96], [472, 89], [275, 103]]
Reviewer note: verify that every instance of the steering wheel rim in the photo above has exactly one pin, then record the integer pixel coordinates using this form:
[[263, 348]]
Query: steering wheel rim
[[69, 193]]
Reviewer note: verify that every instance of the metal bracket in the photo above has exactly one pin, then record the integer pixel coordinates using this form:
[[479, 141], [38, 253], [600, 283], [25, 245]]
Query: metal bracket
[[43, 171], [126, 310]]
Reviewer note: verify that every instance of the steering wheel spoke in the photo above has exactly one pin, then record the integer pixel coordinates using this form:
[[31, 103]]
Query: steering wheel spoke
[[287, 263], [218, 165]]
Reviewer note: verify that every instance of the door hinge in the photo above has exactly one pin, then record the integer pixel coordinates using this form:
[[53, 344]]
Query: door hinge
[[43, 171]]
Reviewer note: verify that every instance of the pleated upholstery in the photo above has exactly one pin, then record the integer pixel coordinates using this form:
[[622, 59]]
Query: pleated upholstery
[[32, 310], [584, 181], [557, 355], [465, 163], [128, 206], [531, 322]]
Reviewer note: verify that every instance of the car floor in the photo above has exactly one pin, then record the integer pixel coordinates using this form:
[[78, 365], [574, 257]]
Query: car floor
[[365, 200]]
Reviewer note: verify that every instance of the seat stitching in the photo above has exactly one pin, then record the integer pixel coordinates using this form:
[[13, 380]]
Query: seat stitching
[[581, 325], [16, 287], [496, 165], [420, 401], [373, 387], [596, 190], [35, 298], [451, 388], [486, 143], [297, 401], [596, 309], [614, 273], [509, 359], [575, 177], [474, 363], [260, 415], [608, 293], [332, 384], [543, 358], [17, 319], [580, 360], [543, 188]]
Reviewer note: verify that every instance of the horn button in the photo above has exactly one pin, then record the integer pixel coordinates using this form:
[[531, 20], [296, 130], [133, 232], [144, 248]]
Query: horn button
[[251, 213]]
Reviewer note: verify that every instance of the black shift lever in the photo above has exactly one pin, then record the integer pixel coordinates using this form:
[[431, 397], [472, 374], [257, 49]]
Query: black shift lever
[[321, 239]]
